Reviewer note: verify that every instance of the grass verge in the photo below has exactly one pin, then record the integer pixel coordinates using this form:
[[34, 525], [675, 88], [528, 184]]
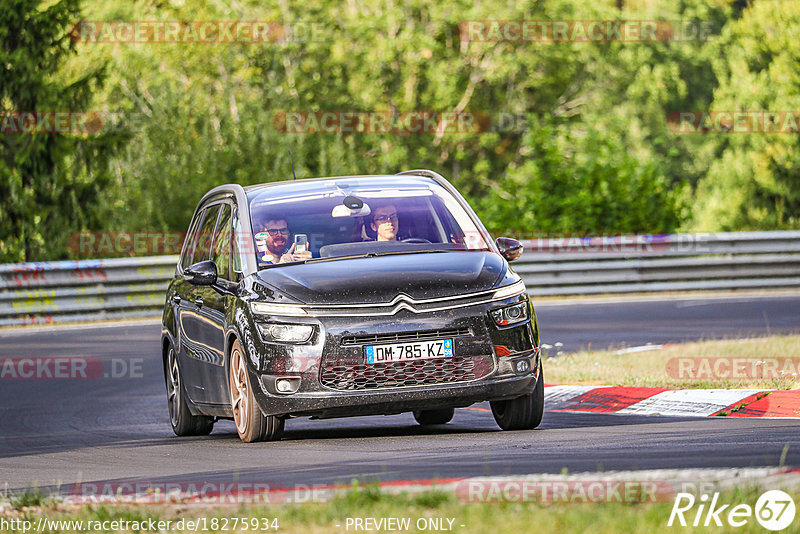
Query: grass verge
[[425, 512], [760, 363]]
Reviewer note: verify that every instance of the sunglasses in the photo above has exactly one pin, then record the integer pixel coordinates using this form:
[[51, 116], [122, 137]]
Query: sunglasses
[[380, 219], [276, 231]]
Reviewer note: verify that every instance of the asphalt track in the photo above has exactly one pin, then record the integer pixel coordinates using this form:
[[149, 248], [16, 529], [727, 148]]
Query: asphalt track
[[59, 432]]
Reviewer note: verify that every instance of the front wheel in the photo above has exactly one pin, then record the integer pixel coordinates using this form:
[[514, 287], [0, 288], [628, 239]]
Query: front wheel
[[251, 424], [434, 417], [522, 413], [182, 421]]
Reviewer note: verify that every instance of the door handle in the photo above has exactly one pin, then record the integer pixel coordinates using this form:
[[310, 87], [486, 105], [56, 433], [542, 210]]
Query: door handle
[[176, 299], [198, 302]]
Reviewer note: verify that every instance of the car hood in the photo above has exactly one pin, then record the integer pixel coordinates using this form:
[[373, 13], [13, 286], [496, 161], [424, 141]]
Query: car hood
[[382, 278]]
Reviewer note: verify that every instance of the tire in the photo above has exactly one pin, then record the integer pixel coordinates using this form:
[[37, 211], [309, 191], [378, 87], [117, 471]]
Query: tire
[[251, 424], [522, 413], [182, 421], [434, 417]]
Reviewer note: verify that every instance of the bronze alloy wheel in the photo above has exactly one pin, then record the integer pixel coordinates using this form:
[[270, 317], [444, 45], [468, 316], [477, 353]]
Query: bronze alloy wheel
[[173, 388], [240, 391], [251, 424], [181, 418]]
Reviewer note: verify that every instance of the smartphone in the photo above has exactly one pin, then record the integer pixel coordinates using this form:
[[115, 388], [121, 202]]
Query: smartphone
[[300, 243]]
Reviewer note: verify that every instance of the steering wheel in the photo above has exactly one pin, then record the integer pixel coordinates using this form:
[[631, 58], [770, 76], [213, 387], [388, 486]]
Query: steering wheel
[[415, 240]]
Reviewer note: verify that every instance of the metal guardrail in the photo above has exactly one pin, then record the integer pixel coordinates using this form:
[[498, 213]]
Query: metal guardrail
[[645, 263], [65, 291]]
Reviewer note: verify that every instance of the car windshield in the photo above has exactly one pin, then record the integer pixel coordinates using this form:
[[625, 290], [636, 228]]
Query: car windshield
[[348, 217]]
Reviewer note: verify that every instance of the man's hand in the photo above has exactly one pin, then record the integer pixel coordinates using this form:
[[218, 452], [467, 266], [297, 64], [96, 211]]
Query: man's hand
[[291, 256]]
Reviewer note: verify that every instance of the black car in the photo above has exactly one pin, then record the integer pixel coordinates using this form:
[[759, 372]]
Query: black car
[[347, 296]]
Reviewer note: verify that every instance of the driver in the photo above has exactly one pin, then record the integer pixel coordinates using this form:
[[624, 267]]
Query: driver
[[273, 241], [385, 222]]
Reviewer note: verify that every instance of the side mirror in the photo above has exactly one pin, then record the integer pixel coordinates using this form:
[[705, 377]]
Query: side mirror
[[203, 273], [510, 249]]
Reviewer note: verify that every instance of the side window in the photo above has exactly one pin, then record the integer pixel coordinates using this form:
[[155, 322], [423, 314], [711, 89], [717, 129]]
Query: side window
[[191, 241], [452, 231], [236, 257], [205, 236], [222, 243]]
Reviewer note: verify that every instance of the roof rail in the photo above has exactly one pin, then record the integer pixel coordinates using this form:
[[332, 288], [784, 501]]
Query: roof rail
[[421, 172]]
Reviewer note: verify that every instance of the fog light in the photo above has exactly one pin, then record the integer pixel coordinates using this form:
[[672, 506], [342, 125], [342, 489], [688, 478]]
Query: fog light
[[287, 385], [523, 366]]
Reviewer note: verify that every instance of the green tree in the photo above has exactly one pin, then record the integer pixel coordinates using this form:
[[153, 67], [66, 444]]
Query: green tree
[[49, 181], [204, 114], [580, 184], [753, 184]]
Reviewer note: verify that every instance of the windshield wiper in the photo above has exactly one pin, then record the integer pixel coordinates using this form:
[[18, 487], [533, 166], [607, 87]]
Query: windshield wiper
[[333, 258], [393, 252]]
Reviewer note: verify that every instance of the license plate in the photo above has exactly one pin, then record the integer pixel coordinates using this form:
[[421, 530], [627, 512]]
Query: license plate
[[417, 350]]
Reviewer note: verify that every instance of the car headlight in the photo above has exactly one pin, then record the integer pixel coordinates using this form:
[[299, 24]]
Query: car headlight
[[510, 314], [286, 333]]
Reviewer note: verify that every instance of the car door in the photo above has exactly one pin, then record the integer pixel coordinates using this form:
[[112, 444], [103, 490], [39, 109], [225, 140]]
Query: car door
[[201, 332], [183, 308], [214, 304]]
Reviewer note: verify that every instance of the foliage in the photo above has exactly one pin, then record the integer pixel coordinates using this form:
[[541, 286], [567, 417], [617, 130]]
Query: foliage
[[753, 184], [29, 497], [588, 148], [49, 182], [575, 182]]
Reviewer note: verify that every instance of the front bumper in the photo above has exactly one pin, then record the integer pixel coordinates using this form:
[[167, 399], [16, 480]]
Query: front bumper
[[494, 355], [324, 405]]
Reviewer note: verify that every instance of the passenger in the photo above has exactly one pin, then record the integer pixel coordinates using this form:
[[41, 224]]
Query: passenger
[[274, 240]]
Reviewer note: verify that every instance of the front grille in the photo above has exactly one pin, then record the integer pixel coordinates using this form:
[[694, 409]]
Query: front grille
[[361, 376], [399, 337]]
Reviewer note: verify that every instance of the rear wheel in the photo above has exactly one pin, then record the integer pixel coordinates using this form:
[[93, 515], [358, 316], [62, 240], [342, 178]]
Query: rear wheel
[[522, 413], [434, 417], [182, 420], [251, 424]]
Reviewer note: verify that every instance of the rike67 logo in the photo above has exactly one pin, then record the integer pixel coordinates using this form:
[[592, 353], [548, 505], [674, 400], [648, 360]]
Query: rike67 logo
[[774, 510]]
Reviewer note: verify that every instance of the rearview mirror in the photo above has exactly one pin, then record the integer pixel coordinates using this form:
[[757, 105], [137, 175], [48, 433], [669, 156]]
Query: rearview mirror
[[203, 273], [510, 249], [340, 210]]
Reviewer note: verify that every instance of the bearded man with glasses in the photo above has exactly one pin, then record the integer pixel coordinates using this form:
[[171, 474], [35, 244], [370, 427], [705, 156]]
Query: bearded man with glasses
[[273, 242]]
